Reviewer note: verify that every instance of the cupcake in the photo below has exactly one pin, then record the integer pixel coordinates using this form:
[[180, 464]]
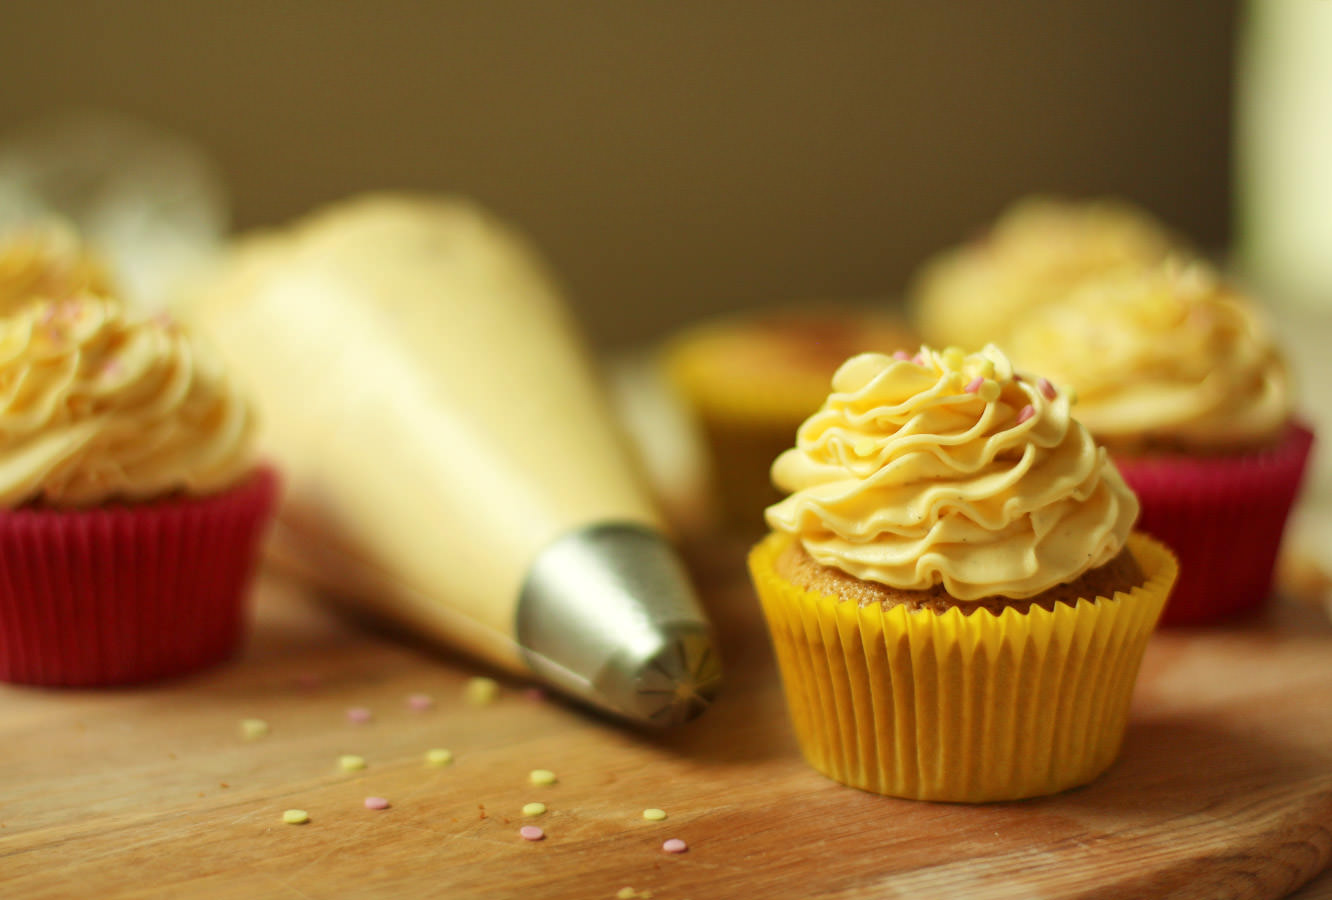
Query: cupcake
[[957, 599], [1036, 252], [130, 509], [1179, 377], [749, 380], [47, 261]]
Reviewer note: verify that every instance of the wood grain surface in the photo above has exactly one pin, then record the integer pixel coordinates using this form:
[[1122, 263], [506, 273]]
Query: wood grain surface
[[1223, 790]]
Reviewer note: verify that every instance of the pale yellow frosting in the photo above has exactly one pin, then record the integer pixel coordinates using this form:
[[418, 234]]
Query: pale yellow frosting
[[47, 262], [1036, 252], [94, 406], [950, 469], [1168, 355]]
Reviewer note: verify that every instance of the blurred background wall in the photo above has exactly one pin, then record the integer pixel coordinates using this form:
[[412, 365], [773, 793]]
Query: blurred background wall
[[672, 159]]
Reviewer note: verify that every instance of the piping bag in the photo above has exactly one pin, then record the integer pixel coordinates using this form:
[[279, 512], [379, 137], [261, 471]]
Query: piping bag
[[450, 460]]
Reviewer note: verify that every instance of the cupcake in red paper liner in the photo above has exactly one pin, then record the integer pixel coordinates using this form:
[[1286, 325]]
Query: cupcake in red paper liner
[[130, 507], [1179, 377]]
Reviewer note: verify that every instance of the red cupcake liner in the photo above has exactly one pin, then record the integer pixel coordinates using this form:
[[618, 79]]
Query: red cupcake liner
[[128, 592], [1224, 518]]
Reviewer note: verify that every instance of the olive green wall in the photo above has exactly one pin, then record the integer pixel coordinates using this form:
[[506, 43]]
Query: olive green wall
[[673, 158]]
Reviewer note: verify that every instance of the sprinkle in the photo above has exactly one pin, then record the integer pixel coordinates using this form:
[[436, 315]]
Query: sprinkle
[[675, 845], [438, 758], [626, 893], [376, 803], [919, 359], [541, 776], [990, 391], [531, 833], [901, 356], [350, 762], [652, 814], [481, 691], [1027, 412], [533, 809], [1047, 388], [358, 714], [420, 702], [864, 446], [974, 384], [535, 694], [295, 817], [112, 368], [253, 729], [953, 357]]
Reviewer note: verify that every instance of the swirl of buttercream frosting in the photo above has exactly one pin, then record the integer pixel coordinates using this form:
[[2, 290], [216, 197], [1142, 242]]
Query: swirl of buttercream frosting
[[95, 406], [49, 262], [948, 468], [1166, 357], [1038, 250]]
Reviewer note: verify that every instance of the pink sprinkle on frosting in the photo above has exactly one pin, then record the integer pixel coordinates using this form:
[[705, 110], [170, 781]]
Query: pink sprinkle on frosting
[[1047, 388], [420, 702], [675, 845], [919, 359], [901, 356], [376, 803], [358, 714], [974, 385], [1027, 412], [531, 833]]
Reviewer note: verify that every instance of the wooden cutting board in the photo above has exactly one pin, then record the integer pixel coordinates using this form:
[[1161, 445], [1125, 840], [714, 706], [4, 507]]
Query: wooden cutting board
[[1224, 788]]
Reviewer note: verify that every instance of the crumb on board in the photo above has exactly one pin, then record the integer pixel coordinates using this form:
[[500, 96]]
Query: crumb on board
[[481, 691]]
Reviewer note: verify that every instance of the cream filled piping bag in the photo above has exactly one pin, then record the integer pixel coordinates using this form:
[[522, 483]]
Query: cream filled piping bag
[[450, 460]]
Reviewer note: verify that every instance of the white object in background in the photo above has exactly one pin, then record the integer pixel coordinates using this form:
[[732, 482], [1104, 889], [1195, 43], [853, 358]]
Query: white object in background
[[1283, 150], [151, 202]]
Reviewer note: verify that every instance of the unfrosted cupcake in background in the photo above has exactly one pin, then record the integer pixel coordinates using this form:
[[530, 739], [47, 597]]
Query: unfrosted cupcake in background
[[1179, 376], [50, 261], [1037, 250], [130, 506], [748, 380], [957, 599]]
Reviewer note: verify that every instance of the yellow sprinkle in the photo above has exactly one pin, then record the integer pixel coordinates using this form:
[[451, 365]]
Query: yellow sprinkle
[[989, 391], [350, 762], [295, 817], [654, 815], [253, 729], [541, 776], [438, 758], [533, 809], [953, 357], [987, 368], [864, 446], [481, 691], [626, 893]]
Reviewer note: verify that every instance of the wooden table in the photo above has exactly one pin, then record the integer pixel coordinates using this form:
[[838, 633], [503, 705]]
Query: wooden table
[[1224, 788]]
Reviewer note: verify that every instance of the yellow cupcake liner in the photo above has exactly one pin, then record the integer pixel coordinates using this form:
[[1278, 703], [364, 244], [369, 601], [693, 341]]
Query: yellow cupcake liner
[[962, 708]]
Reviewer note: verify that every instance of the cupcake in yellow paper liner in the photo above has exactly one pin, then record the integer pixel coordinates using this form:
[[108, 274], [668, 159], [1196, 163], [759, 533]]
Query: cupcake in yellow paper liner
[[958, 604]]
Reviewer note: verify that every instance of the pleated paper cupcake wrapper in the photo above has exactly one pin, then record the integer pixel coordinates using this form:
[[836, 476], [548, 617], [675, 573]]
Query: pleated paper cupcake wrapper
[[128, 593], [1224, 518], [952, 707]]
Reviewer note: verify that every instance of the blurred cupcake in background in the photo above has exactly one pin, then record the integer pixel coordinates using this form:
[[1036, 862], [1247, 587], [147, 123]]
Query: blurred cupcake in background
[[1036, 251], [130, 506], [1179, 376], [957, 598], [748, 380]]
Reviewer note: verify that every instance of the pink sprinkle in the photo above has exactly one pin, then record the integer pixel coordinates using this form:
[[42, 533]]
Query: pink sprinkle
[[376, 803], [358, 714], [919, 359], [901, 356], [675, 845], [974, 385], [1027, 413], [531, 833], [112, 368], [1047, 388], [535, 694], [420, 702]]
